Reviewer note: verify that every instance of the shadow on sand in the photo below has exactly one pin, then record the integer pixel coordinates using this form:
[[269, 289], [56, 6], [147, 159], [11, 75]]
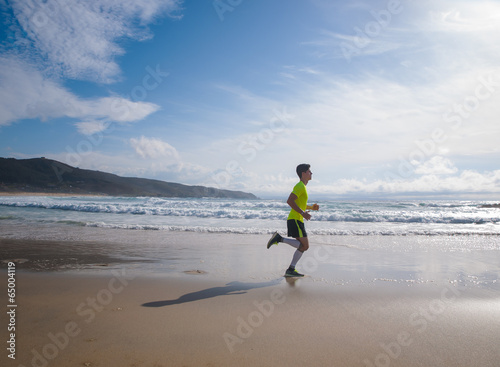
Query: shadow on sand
[[229, 289]]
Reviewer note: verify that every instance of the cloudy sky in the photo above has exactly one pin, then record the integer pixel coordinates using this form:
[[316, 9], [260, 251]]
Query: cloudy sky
[[383, 98]]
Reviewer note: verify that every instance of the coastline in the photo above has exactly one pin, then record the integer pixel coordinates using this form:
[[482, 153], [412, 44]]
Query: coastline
[[103, 303]]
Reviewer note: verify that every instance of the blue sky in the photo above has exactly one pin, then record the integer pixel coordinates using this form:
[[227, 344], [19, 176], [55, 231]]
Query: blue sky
[[383, 98]]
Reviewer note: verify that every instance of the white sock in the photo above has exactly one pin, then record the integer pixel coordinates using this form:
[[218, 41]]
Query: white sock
[[292, 242], [296, 257]]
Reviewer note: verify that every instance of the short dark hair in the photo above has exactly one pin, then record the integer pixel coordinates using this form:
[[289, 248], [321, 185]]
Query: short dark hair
[[302, 168]]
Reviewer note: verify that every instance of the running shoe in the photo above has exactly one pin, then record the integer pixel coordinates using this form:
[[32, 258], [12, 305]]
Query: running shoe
[[274, 239], [293, 273]]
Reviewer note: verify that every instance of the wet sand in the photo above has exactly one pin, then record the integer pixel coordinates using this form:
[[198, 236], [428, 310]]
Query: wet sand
[[234, 308]]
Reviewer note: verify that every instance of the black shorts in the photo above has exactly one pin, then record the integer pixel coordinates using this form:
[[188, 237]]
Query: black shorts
[[296, 228]]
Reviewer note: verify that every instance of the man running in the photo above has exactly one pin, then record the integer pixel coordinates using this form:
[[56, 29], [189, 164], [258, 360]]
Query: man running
[[295, 222]]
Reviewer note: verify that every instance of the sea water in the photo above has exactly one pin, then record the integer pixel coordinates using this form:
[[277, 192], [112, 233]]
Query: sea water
[[29, 216], [335, 218], [402, 240]]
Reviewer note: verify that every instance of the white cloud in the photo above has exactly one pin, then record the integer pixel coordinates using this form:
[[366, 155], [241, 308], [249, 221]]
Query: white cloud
[[154, 148], [120, 109], [466, 182], [78, 39], [352, 128], [436, 166], [445, 35], [91, 127], [466, 17], [380, 109], [26, 94]]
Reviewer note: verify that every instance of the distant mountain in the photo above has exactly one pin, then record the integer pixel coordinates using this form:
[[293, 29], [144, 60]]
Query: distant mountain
[[49, 176]]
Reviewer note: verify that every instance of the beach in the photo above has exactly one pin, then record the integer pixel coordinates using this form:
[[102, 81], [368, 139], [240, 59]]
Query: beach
[[231, 183], [92, 302]]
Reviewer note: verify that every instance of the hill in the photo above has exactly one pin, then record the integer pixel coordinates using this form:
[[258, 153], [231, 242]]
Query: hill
[[49, 176]]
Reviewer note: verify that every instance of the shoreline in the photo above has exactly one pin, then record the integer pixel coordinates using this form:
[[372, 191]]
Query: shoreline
[[345, 260]]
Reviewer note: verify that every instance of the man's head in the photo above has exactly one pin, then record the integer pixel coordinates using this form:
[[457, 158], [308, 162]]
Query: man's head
[[302, 168]]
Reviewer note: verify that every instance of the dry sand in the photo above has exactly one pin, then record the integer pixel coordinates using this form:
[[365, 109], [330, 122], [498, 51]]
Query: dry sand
[[117, 317]]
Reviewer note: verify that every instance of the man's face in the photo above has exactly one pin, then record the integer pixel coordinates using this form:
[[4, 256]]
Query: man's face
[[307, 175]]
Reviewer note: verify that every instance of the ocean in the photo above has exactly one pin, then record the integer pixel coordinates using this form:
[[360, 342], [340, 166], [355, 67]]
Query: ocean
[[335, 218]]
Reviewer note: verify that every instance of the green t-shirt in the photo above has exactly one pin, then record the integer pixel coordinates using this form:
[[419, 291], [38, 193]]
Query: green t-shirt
[[301, 192]]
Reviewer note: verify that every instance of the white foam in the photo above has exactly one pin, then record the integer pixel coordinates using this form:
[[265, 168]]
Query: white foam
[[387, 218]]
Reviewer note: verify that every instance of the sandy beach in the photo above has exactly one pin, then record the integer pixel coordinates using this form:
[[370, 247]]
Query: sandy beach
[[81, 305]]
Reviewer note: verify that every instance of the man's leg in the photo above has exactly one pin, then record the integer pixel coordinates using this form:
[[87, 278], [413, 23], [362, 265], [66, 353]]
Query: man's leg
[[304, 243], [294, 242], [276, 238], [304, 246]]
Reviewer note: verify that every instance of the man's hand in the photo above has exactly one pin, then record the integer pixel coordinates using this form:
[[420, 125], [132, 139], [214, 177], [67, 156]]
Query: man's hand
[[306, 215], [313, 207]]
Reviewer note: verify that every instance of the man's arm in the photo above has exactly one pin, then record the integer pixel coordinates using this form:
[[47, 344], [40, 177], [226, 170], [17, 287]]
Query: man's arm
[[294, 206]]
